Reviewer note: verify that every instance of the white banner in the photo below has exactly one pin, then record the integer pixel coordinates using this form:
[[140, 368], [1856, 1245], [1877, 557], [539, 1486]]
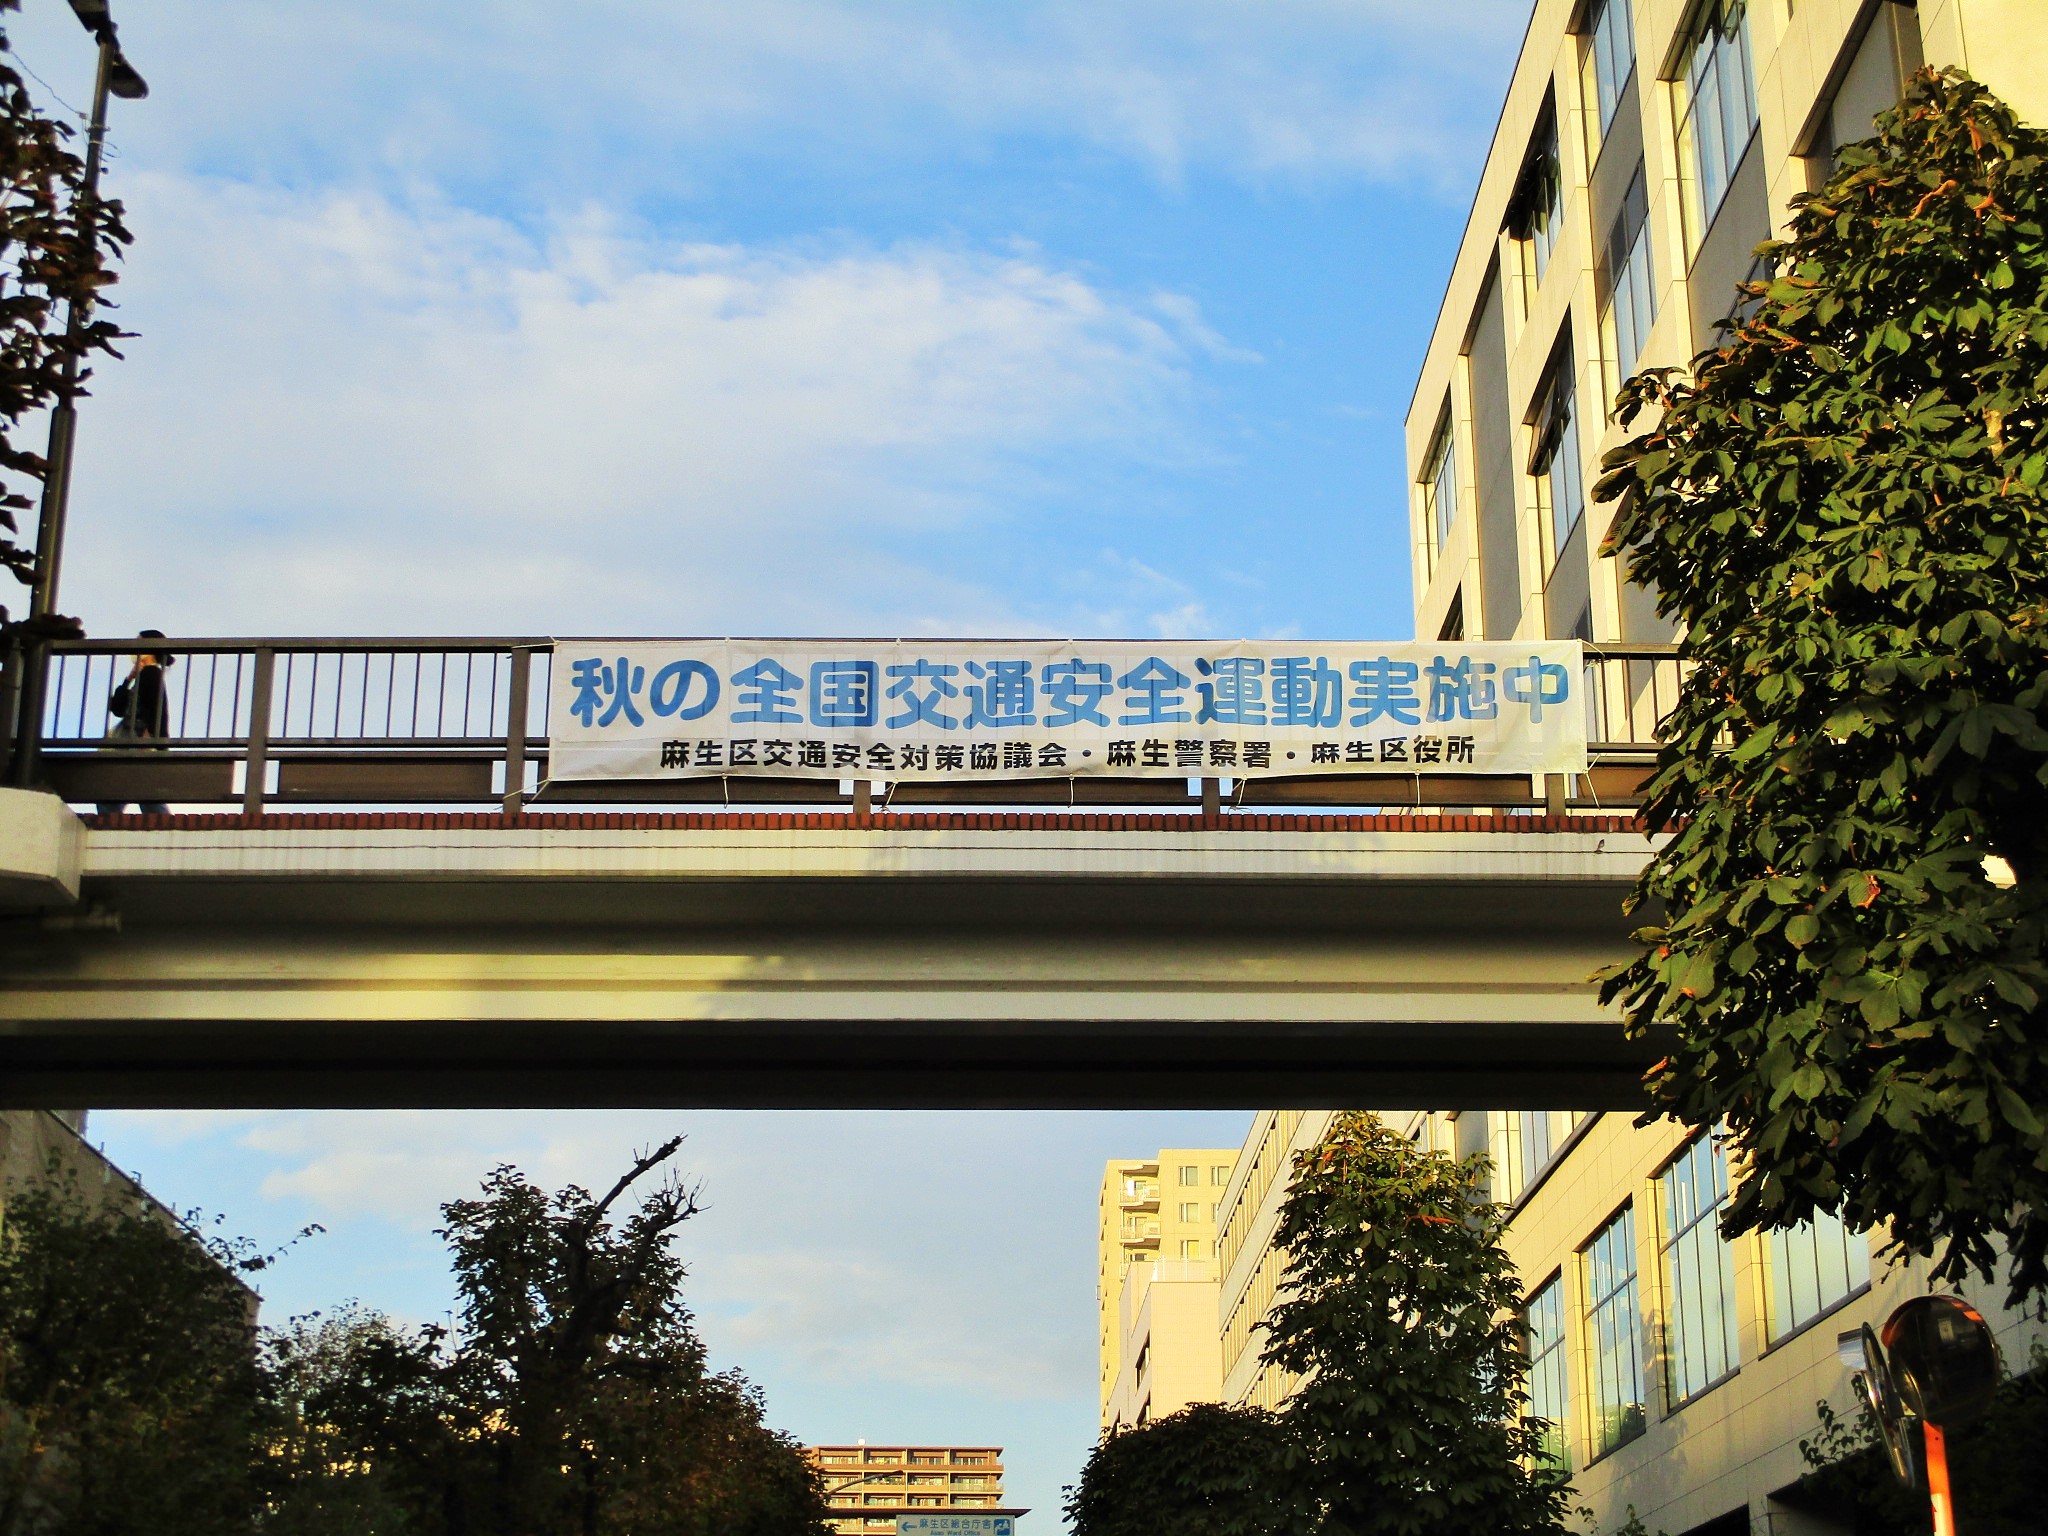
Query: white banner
[[944, 710]]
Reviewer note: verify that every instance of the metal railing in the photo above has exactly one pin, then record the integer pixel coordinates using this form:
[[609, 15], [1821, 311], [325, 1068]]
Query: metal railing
[[270, 722]]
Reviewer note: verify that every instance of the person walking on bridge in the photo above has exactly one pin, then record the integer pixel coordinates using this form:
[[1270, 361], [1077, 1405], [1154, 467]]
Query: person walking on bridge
[[141, 709]]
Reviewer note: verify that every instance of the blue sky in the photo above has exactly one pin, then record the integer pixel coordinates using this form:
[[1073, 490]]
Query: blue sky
[[790, 317]]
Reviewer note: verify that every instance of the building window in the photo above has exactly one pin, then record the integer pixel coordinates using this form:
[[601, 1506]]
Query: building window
[[1614, 1322], [1219, 1174], [1716, 104], [1190, 1210], [1699, 1273], [1536, 212], [1189, 1175], [1815, 1267], [1522, 1144], [1611, 40], [1560, 478], [1549, 1380], [1440, 486], [1625, 272], [1191, 1248]]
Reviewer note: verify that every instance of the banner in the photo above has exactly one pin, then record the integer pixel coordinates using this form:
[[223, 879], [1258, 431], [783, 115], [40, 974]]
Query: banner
[[945, 710]]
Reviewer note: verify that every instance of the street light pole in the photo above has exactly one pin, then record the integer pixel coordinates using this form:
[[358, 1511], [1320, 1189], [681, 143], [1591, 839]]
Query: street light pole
[[114, 76]]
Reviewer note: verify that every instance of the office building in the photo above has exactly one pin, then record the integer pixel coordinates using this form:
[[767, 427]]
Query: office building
[[1645, 148], [869, 1486], [1156, 1282]]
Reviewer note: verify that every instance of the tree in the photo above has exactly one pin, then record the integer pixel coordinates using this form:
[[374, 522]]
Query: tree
[[128, 1386], [573, 1399], [56, 253], [1843, 507], [1400, 1311], [1207, 1470]]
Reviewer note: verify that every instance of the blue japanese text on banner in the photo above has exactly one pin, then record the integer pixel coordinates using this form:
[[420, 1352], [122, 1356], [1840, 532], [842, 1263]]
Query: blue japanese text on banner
[[941, 710]]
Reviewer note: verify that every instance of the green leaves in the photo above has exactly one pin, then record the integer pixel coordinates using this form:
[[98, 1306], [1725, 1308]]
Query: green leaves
[[1843, 509], [1401, 1310]]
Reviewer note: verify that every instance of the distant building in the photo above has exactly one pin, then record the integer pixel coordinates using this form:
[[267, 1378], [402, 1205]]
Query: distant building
[[1156, 1283], [868, 1486]]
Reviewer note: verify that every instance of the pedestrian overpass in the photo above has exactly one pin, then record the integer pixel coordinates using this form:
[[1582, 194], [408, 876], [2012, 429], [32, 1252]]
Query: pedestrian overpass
[[326, 918]]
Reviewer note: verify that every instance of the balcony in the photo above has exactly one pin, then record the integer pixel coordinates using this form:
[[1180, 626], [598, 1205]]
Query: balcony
[[1139, 1195]]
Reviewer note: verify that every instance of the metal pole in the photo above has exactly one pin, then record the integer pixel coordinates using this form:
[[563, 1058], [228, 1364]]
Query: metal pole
[[1937, 1479], [42, 595]]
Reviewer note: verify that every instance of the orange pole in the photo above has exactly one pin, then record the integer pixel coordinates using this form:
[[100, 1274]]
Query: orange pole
[[1937, 1480]]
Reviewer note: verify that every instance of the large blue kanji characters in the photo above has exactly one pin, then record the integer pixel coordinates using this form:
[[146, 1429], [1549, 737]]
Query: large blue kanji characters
[[604, 691], [1237, 694], [1007, 695], [923, 686], [766, 693], [1539, 683], [1150, 693], [1307, 692], [1384, 689], [1461, 689], [1072, 692], [847, 694]]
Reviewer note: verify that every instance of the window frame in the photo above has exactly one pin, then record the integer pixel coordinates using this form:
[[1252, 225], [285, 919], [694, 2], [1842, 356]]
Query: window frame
[[1597, 1444], [1557, 1372], [1669, 1246], [1854, 1244], [1629, 270], [1440, 465], [1705, 43], [1599, 43], [1555, 428], [1536, 210]]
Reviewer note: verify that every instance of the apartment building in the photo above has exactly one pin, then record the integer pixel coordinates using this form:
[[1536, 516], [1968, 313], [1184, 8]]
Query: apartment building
[[869, 1486], [1645, 148], [1156, 1282]]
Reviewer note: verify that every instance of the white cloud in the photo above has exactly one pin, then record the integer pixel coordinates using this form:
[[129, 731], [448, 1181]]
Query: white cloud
[[343, 413], [529, 93], [861, 1316]]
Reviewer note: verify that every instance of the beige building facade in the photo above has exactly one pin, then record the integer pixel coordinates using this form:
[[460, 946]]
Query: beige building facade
[[1680, 1371], [869, 1486], [1156, 1282], [1644, 149]]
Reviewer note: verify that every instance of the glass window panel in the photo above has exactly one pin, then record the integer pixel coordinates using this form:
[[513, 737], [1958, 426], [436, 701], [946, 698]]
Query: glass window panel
[[1814, 1267], [1699, 1274], [1549, 1389], [1717, 106], [1614, 56], [1440, 488], [1614, 1321]]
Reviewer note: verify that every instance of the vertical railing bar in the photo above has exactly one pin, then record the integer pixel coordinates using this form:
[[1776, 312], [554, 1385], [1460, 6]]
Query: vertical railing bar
[[491, 716], [515, 733], [287, 696], [257, 756], [390, 689], [212, 682], [419, 662], [441, 699]]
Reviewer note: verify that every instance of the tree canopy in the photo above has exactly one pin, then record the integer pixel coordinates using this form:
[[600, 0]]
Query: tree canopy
[[1207, 1470], [1843, 507], [129, 1395], [1400, 1314], [572, 1398]]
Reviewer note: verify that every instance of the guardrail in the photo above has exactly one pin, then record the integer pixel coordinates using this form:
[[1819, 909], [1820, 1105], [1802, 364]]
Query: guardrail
[[318, 722]]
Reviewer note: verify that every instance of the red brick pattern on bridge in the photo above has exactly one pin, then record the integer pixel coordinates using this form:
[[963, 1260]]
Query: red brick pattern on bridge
[[878, 821]]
